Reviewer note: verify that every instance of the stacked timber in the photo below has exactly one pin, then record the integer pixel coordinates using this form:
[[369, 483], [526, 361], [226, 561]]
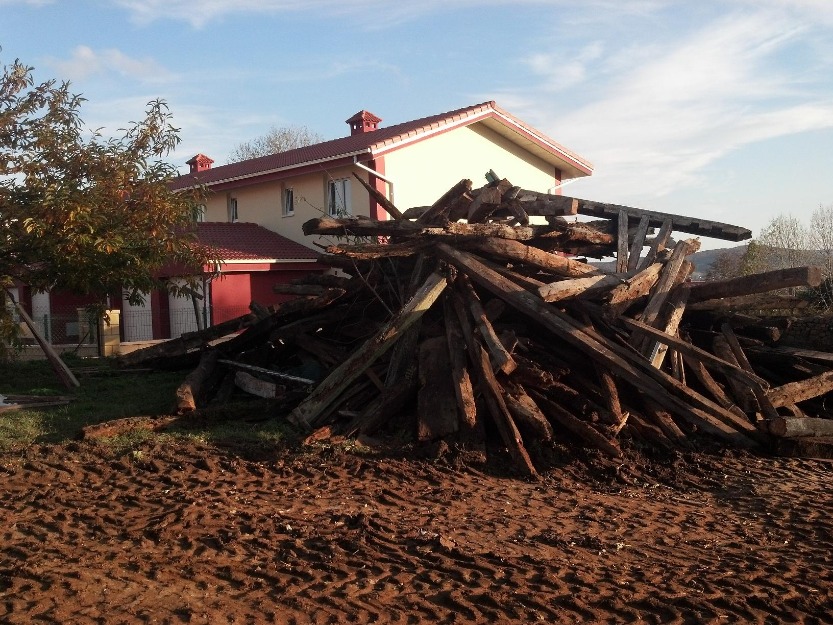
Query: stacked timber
[[467, 323]]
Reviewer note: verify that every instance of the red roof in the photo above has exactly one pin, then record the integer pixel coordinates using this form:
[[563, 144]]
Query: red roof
[[250, 242], [367, 145]]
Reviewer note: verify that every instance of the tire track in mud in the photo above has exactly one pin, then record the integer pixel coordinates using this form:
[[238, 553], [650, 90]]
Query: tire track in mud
[[187, 534]]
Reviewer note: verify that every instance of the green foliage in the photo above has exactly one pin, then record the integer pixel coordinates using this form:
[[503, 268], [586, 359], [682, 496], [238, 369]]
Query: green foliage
[[87, 213]]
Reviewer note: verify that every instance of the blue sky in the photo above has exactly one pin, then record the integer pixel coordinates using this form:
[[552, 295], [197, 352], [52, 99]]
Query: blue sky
[[720, 109]]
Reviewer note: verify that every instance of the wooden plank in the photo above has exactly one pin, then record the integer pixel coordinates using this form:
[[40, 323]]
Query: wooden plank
[[638, 243], [622, 242], [657, 245], [656, 351], [495, 404], [328, 390], [679, 223], [255, 386]]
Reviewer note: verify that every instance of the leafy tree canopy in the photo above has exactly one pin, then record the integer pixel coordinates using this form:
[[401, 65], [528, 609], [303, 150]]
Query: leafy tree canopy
[[275, 141], [80, 211]]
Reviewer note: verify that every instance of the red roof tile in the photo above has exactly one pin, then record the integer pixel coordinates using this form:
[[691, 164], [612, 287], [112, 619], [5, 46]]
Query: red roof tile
[[242, 241], [371, 143]]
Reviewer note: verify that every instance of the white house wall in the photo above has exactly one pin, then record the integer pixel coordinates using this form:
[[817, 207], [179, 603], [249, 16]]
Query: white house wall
[[422, 172]]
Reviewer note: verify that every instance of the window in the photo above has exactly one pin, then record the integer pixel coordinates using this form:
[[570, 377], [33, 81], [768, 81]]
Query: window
[[338, 197], [288, 202], [201, 213], [232, 209]]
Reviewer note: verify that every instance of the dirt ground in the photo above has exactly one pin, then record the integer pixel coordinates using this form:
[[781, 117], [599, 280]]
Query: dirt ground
[[189, 533]]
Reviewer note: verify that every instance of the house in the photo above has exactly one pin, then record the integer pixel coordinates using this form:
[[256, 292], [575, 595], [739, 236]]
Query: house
[[412, 163], [256, 207]]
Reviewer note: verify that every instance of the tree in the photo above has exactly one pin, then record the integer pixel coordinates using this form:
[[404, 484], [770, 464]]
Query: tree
[[784, 243], [275, 141], [83, 212]]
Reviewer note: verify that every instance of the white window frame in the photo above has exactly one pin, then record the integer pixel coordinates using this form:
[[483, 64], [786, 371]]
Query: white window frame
[[233, 215], [288, 203], [338, 197]]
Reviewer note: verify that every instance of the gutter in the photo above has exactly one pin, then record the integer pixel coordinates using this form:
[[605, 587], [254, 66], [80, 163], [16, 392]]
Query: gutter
[[378, 175]]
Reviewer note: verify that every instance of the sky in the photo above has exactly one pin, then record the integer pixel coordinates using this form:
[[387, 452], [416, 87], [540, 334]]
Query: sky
[[721, 109]]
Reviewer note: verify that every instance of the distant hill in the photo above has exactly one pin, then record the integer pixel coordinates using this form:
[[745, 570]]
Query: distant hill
[[702, 260]]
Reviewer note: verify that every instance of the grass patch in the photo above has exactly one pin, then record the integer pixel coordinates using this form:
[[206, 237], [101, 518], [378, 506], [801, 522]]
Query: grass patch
[[113, 395]]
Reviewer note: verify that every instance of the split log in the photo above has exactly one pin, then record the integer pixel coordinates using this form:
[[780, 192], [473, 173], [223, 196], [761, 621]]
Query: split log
[[527, 414], [501, 357], [576, 426], [436, 406], [441, 208], [329, 389], [485, 203], [189, 391], [791, 427]]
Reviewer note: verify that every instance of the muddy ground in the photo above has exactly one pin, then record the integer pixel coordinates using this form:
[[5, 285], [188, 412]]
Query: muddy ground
[[189, 533]]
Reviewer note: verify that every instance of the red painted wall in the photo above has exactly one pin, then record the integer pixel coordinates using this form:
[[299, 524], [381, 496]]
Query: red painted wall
[[231, 295]]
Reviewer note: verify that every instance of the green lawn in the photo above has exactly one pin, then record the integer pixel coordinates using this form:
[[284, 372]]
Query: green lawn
[[113, 395]]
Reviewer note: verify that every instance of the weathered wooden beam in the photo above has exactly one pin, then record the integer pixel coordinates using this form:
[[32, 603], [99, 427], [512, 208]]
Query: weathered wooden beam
[[439, 210], [577, 287], [460, 378], [660, 386], [638, 243], [756, 283], [380, 198], [436, 406], [690, 225], [329, 389], [576, 426], [501, 358], [657, 245], [802, 390], [517, 251], [795, 427], [622, 242], [58, 366]]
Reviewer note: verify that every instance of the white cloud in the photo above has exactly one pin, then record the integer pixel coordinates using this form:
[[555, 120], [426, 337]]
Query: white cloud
[[663, 117], [86, 62]]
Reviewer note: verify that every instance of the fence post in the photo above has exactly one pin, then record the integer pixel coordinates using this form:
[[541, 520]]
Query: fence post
[[110, 333]]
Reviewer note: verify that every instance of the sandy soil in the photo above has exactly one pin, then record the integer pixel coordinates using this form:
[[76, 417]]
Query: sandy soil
[[193, 534]]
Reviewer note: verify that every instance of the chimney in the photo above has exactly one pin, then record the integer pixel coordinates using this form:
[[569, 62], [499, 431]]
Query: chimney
[[199, 163], [363, 121]]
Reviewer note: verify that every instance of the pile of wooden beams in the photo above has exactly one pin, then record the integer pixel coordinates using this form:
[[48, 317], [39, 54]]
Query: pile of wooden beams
[[467, 323]]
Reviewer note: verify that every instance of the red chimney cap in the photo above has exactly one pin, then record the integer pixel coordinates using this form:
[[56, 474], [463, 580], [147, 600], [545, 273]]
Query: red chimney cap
[[200, 162], [363, 121]]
